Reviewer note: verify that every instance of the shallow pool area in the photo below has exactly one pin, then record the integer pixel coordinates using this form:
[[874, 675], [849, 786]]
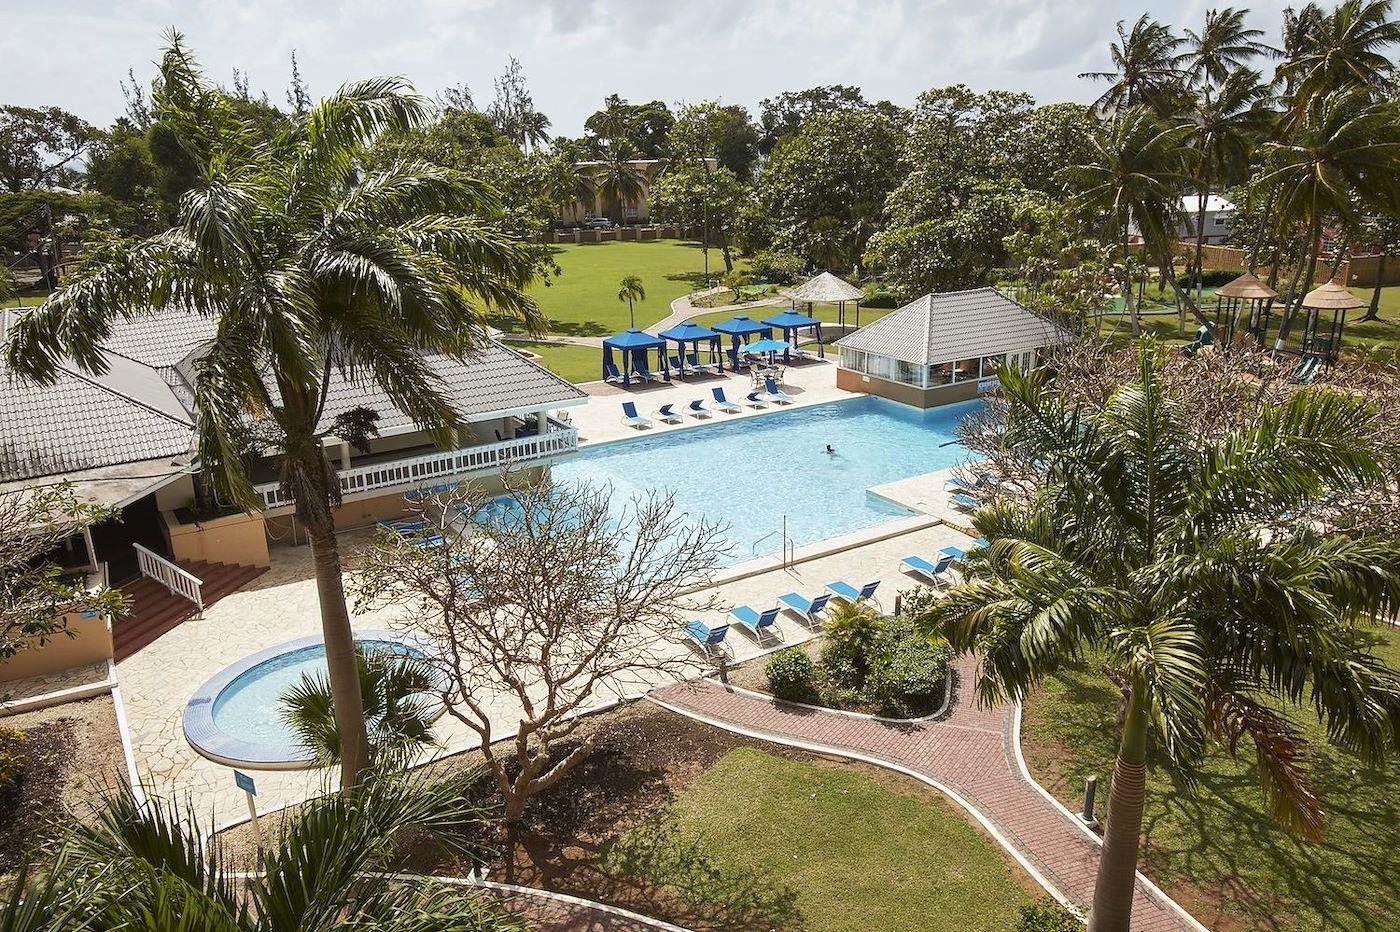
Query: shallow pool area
[[749, 473]]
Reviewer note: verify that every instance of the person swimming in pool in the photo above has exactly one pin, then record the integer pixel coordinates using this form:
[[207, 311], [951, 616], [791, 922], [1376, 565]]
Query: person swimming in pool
[[830, 450]]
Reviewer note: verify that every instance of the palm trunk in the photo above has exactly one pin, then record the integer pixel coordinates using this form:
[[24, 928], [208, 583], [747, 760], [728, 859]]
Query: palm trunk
[[1295, 302], [1374, 311], [1200, 241], [1128, 304], [1116, 884]]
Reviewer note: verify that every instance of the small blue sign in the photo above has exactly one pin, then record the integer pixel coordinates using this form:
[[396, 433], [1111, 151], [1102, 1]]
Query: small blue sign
[[245, 783]]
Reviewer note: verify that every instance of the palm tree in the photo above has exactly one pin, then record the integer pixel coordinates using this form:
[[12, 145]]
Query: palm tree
[[1341, 159], [329, 866], [1134, 183], [311, 266], [1224, 45], [399, 710], [827, 242], [631, 289], [1176, 562], [1145, 70], [1348, 47], [1224, 127], [534, 129], [617, 179]]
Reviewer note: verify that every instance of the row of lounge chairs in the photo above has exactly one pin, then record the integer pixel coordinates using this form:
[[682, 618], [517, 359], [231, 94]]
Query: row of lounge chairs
[[937, 570], [759, 622], [684, 366], [674, 412]]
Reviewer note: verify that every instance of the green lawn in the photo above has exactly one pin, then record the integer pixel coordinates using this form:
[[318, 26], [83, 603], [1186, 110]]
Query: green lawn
[[839, 847], [572, 363], [1215, 847], [582, 300]]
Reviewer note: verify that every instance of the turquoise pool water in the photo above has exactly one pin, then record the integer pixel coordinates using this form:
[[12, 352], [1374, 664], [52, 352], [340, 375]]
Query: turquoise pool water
[[250, 708], [747, 473]]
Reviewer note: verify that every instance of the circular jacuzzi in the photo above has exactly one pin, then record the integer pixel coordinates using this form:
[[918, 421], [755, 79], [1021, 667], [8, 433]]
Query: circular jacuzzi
[[236, 719]]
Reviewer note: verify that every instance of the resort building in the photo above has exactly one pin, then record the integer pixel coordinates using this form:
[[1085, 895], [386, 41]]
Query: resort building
[[126, 438], [943, 347], [632, 210], [1215, 223]]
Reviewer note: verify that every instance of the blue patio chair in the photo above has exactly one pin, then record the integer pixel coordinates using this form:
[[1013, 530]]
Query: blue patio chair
[[723, 403], [805, 608], [640, 367], [669, 414], [404, 526], [966, 502], [981, 542], [679, 365], [774, 393], [979, 480], [697, 408], [957, 553], [610, 373], [843, 590], [695, 365], [754, 621], [707, 638], [931, 571], [631, 418]]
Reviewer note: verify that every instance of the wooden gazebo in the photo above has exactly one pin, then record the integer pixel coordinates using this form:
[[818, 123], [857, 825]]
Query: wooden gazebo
[[1329, 300], [827, 289], [1245, 305]]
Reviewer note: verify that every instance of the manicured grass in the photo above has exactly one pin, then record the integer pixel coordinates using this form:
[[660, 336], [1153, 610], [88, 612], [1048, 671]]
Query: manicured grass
[[837, 845], [573, 363], [582, 299], [1214, 846]]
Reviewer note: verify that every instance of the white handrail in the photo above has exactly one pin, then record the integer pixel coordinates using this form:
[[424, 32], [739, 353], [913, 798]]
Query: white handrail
[[171, 576], [439, 464]]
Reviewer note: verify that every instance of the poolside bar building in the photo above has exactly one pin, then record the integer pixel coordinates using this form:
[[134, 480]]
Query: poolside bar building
[[943, 347]]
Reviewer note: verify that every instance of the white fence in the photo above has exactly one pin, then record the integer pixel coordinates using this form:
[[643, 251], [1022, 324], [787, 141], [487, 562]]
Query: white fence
[[441, 464], [170, 576]]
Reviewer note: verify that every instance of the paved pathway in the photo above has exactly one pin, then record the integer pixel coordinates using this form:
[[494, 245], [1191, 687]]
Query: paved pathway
[[546, 913], [970, 752]]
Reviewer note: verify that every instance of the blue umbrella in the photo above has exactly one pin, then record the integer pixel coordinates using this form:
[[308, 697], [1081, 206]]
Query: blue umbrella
[[765, 346]]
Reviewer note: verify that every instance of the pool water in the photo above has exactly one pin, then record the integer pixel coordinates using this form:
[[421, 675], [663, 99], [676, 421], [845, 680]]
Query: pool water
[[749, 473], [250, 707]]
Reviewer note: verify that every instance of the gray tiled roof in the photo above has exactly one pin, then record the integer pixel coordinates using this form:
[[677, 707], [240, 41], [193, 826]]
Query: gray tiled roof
[[954, 325], [160, 339]]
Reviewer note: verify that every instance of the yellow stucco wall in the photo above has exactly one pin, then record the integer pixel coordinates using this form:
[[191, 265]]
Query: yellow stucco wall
[[239, 538], [91, 642]]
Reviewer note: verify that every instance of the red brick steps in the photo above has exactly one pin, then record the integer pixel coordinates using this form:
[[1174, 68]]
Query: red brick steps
[[156, 610]]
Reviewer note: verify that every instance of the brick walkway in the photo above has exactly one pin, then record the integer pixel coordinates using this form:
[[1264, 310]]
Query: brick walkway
[[969, 752]]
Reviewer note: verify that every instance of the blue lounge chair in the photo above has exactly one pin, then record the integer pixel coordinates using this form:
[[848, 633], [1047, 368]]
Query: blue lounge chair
[[723, 403], [958, 482], [631, 418], [610, 373], [707, 638], [957, 553], [807, 609], [752, 619], [755, 400], [774, 393], [640, 367], [981, 542], [697, 408], [695, 364], [844, 590], [967, 502], [669, 414], [931, 571], [679, 365], [404, 526]]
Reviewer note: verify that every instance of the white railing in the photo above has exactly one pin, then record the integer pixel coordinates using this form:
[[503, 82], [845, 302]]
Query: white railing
[[439, 464], [172, 577]]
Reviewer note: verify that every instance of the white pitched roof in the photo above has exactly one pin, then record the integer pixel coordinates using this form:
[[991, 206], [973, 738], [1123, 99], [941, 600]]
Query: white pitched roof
[[1214, 204], [953, 325]]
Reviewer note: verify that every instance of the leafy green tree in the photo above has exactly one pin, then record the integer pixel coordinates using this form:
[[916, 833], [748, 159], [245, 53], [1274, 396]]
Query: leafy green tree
[[310, 266], [1146, 69], [639, 128], [1046, 140], [616, 180], [691, 195], [1383, 233], [330, 865], [785, 115], [41, 146], [1145, 548], [631, 289]]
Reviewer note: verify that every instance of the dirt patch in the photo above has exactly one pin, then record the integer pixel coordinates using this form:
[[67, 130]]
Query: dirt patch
[[74, 756]]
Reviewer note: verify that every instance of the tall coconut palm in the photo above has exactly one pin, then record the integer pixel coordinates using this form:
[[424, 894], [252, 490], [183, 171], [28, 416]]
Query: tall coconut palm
[[1351, 46], [1135, 181], [618, 180], [1341, 159], [631, 289], [1223, 45], [1225, 124], [1145, 70], [310, 265], [1147, 550], [329, 866], [534, 130]]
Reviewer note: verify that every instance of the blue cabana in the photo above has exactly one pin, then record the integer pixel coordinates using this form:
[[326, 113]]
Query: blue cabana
[[739, 328], [789, 322], [688, 338], [633, 346]]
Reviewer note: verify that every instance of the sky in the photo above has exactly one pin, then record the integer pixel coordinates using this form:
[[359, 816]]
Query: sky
[[74, 53]]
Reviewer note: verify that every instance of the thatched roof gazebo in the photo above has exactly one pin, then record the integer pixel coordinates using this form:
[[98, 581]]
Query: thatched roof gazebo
[[827, 289], [1245, 294], [1329, 298]]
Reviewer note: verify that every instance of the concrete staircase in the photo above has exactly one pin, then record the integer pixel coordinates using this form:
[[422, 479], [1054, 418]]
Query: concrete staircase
[[156, 610]]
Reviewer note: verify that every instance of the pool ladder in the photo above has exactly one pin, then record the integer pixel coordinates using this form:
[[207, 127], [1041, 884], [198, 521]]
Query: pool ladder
[[789, 551]]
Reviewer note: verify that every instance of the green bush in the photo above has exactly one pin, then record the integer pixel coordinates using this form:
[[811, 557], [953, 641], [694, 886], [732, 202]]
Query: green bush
[[851, 632], [12, 756], [907, 671], [1210, 278], [879, 296], [1048, 916], [771, 265], [791, 675]]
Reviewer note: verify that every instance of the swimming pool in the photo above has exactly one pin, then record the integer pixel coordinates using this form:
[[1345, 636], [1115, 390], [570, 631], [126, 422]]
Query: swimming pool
[[748, 473]]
